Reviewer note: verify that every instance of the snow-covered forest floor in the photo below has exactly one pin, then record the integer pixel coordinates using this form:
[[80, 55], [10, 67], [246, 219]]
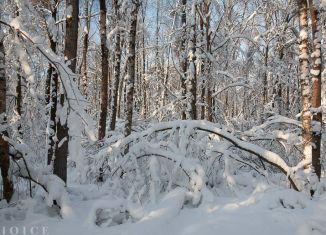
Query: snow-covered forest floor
[[266, 210]]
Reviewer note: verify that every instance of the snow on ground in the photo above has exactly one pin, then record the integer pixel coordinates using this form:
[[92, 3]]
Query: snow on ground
[[268, 210]]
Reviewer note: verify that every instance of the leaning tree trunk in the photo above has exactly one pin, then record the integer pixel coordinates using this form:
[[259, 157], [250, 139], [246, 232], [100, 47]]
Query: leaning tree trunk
[[105, 72], [8, 188], [316, 87], [70, 52], [51, 95], [117, 64], [304, 80], [131, 56]]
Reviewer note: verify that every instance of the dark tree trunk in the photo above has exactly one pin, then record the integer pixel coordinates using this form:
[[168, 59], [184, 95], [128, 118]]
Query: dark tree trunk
[[70, 52], [202, 67], [105, 72], [192, 73], [19, 100], [117, 62], [316, 87], [71, 36], [265, 95], [8, 188], [208, 83], [61, 153], [131, 59], [51, 96], [53, 110], [183, 56], [144, 82], [19, 90]]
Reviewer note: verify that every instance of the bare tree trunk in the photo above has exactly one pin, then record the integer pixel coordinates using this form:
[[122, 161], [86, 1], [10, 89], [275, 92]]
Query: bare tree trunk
[[8, 188], [157, 60], [53, 110], [203, 77], [61, 152], [287, 102], [183, 55], [51, 95], [19, 100], [279, 99], [95, 81], [121, 86], [19, 89], [192, 74], [71, 37], [304, 79], [117, 64], [209, 103], [85, 46], [131, 56], [70, 52], [105, 72], [316, 87], [265, 83], [144, 82]]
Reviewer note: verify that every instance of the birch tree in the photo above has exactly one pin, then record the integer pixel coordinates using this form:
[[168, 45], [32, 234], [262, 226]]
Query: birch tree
[[304, 79]]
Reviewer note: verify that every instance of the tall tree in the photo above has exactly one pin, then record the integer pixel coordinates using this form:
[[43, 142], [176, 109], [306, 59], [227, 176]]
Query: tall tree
[[316, 73], [131, 61], [208, 83], [105, 72], [192, 73], [183, 62], [51, 89], [70, 52], [117, 65], [8, 188], [143, 65], [87, 11], [304, 79], [19, 89]]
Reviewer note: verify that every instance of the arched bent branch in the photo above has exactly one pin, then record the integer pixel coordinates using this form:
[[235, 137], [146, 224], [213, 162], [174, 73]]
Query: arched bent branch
[[256, 150], [268, 156]]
